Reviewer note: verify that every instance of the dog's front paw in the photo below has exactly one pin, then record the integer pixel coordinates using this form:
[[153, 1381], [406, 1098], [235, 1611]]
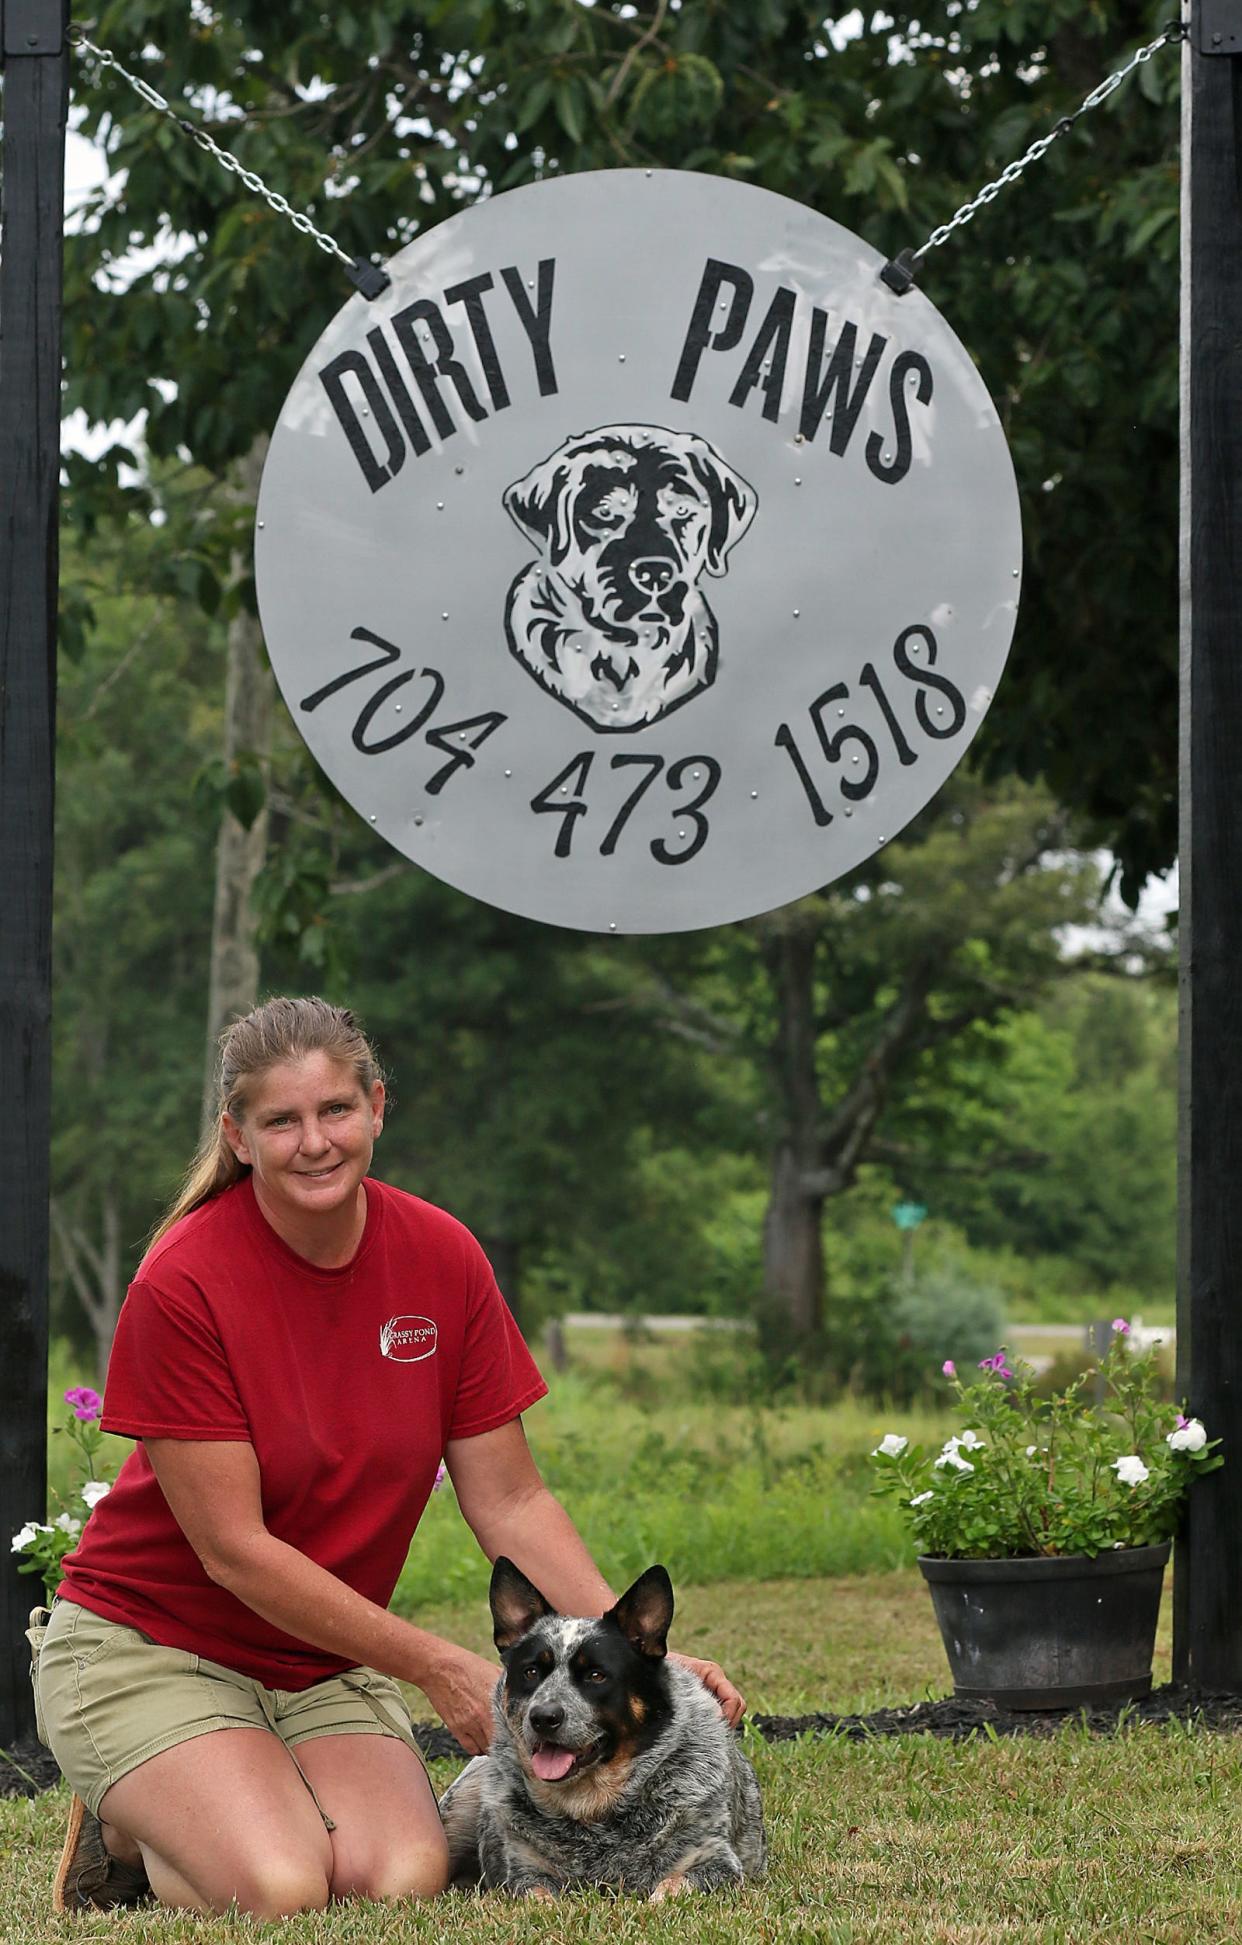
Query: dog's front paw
[[543, 1891], [671, 1886]]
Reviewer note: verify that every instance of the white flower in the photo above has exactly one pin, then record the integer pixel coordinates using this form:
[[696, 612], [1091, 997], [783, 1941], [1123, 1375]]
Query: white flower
[[29, 1532], [94, 1490], [1031, 1450], [892, 1445], [952, 1457], [1190, 1437], [1130, 1471], [921, 1499], [67, 1523], [969, 1440]]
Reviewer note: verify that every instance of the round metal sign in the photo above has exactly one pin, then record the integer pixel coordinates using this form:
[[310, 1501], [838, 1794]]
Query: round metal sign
[[639, 560]]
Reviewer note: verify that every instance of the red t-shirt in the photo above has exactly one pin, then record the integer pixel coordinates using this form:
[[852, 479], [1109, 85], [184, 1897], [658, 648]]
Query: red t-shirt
[[347, 1382]]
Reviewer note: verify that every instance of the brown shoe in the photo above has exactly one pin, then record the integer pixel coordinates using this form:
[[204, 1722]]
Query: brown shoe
[[88, 1877]]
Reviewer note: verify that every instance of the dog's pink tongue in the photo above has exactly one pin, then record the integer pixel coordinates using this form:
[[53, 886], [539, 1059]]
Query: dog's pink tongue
[[550, 1763]]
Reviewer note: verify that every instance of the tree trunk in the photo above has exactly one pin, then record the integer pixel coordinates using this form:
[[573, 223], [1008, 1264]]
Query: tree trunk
[[233, 980], [793, 1250], [793, 1254], [94, 1272]]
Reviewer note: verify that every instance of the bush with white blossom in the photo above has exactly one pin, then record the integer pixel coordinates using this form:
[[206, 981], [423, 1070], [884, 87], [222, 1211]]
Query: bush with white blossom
[[43, 1544], [1033, 1475]]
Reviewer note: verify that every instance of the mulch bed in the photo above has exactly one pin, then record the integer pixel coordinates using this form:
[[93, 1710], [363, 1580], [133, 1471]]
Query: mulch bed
[[28, 1767], [956, 1720]]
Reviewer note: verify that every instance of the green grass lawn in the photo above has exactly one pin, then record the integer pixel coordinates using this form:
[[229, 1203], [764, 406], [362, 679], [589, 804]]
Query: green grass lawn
[[800, 1584], [1135, 1837], [1067, 1841]]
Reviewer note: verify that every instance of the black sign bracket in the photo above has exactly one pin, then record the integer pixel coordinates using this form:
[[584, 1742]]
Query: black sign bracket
[[1218, 27], [31, 27]]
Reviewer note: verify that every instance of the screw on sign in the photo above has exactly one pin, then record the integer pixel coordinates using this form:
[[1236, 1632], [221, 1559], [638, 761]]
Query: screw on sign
[[643, 636]]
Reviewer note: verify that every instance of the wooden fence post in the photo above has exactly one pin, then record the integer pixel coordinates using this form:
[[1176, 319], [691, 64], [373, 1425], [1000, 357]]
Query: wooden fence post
[[36, 69], [1208, 1573]]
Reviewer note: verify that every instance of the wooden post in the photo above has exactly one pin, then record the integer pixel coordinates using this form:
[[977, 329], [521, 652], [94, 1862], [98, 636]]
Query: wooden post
[[36, 69], [1208, 1573]]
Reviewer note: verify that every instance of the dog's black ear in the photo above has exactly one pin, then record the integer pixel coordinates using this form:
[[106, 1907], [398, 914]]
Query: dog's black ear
[[644, 1612], [539, 505], [516, 1604], [733, 502]]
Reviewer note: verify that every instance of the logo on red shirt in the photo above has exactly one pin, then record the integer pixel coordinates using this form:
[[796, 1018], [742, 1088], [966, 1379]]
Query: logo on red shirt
[[407, 1340]]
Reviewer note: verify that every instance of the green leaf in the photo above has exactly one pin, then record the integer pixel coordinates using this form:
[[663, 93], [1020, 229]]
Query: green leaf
[[1151, 227], [245, 792], [674, 96], [534, 101], [568, 97]]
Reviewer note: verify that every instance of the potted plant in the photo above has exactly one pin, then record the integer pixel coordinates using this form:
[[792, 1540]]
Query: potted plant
[[1044, 1525]]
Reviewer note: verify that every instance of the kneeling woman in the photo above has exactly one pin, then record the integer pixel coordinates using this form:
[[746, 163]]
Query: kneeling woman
[[301, 1346]]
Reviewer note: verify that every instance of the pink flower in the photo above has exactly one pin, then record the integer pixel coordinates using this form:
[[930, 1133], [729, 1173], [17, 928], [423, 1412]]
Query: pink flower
[[1121, 1327], [949, 1368], [87, 1404], [441, 1476], [996, 1364], [1182, 1421]]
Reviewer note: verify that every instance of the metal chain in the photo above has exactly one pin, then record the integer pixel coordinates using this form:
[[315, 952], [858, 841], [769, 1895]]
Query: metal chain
[[254, 183], [903, 266]]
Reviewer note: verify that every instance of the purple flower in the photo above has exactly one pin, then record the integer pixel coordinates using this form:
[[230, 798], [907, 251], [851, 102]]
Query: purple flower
[[87, 1404], [949, 1368], [1121, 1327], [441, 1476], [1182, 1421], [996, 1364]]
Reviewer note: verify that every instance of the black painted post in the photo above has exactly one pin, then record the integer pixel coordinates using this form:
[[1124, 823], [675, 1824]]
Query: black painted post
[[1208, 1574], [36, 62]]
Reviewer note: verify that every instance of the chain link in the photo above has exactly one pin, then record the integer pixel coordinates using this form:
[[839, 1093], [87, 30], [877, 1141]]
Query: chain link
[[1175, 31], [254, 183]]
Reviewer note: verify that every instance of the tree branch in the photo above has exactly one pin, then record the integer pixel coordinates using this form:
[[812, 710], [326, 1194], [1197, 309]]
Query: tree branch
[[934, 1161], [633, 53], [355, 887], [91, 1304], [845, 1137]]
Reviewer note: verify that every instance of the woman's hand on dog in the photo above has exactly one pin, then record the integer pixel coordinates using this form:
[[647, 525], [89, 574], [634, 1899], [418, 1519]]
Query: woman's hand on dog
[[459, 1687], [713, 1678]]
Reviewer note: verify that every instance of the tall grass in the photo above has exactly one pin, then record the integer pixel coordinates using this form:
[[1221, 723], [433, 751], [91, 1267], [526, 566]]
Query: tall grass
[[656, 1456], [713, 1490]]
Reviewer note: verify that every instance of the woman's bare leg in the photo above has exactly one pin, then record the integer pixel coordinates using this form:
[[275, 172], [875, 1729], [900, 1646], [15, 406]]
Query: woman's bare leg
[[388, 1841], [224, 1817]]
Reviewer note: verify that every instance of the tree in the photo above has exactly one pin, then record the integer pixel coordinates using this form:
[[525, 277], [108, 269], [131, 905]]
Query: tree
[[1090, 1079], [139, 713], [241, 843], [850, 1006], [380, 125]]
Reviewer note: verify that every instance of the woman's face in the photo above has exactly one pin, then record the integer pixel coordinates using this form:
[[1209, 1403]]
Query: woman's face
[[307, 1132]]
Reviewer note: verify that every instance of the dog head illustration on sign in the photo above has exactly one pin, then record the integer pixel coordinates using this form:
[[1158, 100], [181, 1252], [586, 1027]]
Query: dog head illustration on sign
[[610, 619]]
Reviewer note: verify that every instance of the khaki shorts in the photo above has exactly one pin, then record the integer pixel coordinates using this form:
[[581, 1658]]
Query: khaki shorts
[[108, 1697]]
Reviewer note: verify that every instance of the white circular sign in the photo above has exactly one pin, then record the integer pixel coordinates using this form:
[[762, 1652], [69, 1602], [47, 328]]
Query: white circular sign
[[639, 561]]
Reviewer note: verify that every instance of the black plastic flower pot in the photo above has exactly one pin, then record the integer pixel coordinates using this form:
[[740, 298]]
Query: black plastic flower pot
[[1049, 1632]]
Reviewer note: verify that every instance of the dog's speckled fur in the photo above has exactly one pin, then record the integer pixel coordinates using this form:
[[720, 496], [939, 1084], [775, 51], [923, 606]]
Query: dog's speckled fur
[[661, 1798]]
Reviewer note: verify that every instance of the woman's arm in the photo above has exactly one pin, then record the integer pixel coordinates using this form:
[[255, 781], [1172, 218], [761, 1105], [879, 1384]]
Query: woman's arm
[[510, 1510], [213, 1491]]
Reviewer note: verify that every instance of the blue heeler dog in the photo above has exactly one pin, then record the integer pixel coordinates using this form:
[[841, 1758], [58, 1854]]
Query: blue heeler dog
[[609, 1766]]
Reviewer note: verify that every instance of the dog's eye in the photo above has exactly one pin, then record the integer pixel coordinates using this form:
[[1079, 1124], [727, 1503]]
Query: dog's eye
[[532, 1672], [596, 1675]]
